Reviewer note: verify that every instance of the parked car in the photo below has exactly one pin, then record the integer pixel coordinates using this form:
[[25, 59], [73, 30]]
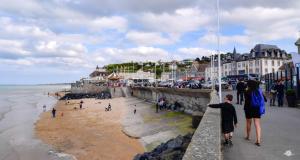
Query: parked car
[[194, 84]]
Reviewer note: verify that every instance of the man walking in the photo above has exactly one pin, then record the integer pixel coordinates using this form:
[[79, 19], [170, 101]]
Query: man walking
[[240, 87], [280, 93]]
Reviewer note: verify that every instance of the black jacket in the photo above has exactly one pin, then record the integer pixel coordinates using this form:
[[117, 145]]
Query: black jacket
[[240, 87], [227, 112]]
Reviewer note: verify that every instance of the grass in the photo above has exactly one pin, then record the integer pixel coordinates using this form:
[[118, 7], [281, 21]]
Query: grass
[[151, 146]]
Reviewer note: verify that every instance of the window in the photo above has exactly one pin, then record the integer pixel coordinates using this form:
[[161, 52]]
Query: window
[[257, 70], [250, 64], [225, 66], [257, 62], [266, 70], [244, 64], [266, 62], [278, 63], [272, 62], [239, 65], [250, 70]]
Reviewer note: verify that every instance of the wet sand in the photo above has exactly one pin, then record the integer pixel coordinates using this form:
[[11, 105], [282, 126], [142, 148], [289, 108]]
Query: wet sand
[[89, 133]]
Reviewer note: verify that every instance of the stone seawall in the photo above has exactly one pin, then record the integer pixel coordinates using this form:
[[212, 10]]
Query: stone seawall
[[206, 142], [88, 88], [190, 99]]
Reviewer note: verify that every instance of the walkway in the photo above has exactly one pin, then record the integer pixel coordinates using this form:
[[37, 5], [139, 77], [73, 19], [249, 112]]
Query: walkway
[[280, 136]]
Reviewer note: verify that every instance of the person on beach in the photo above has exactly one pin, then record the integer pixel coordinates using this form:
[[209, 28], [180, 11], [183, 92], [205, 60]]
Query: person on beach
[[44, 108], [53, 112], [229, 118], [80, 105], [109, 107], [254, 109]]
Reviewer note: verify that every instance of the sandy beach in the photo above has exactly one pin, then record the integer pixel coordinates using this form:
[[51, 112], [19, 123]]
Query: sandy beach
[[90, 133]]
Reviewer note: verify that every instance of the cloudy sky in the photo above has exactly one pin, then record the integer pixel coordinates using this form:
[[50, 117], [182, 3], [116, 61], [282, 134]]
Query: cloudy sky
[[47, 41]]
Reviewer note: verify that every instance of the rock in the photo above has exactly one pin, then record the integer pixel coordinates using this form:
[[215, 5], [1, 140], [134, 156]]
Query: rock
[[174, 155], [175, 143], [173, 149]]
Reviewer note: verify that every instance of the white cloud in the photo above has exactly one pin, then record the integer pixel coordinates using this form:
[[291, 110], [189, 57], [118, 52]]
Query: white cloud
[[234, 39], [55, 49], [264, 24], [177, 23], [148, 38], [115, 55], [12, 49], [195, 52]]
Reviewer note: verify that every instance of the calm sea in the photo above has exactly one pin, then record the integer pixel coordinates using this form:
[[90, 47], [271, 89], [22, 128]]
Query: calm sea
[[20, 107]]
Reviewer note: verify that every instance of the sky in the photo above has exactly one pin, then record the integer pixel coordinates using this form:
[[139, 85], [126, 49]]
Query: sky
[[54, 41]]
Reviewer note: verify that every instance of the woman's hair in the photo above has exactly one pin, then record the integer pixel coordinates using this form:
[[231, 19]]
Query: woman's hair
[[252, 85]]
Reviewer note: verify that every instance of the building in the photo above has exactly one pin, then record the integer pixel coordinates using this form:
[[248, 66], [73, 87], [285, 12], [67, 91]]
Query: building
[[212, 72], [261, 60], [99, 74], [137, 75]]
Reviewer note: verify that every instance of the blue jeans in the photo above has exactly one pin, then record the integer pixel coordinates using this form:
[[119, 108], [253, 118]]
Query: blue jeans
[[280, 99]]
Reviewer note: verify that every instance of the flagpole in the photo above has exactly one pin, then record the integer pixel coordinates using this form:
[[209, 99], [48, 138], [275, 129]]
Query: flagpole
[[219, 54]]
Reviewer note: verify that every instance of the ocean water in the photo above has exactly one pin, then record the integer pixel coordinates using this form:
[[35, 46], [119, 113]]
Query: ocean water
[[20, 107]]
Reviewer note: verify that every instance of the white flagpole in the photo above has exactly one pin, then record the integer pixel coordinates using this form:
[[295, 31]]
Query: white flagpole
[[219, 54]]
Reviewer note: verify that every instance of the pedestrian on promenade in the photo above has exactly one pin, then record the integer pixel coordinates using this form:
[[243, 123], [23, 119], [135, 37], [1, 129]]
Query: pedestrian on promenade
[[254, 109], [240, 87], [229, 118], [273, 94], [53, 112], [280, 93]]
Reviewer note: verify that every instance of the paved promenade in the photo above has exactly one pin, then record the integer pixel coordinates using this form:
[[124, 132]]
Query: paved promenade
[[280, 136]]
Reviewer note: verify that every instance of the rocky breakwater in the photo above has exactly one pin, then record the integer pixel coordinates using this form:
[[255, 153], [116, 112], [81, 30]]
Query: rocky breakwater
[[173, 149], [102, 95]]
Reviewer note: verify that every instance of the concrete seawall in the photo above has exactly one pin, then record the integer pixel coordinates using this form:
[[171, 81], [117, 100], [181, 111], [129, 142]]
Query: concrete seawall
[[190, 100], [206, 141]]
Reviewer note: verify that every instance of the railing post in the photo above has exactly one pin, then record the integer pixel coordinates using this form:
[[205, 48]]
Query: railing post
[[297, 82], [291, 76], [286, 81]]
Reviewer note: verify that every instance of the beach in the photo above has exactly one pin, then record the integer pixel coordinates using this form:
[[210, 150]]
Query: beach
[[89, 133]]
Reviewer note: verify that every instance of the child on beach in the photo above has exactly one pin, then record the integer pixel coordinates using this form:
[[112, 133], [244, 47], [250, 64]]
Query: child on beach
[[80, 105], [229, 118]]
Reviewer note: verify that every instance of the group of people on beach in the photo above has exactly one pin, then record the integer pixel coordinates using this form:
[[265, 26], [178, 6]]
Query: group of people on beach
[[254, 108]]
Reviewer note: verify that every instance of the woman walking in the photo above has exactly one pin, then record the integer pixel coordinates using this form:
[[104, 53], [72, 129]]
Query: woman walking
[[254, 109]]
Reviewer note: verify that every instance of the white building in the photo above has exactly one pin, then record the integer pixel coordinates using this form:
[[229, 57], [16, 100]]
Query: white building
[[137, 75], [99, 74], [261, 60], [212, 72]]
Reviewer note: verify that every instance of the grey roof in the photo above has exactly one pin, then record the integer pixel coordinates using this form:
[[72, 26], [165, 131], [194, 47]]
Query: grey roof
[[262, 47]]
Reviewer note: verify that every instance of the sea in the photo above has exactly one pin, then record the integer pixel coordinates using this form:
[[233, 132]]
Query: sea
[[20, 107]]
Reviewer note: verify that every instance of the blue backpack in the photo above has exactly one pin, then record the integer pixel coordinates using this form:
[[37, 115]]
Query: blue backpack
[[257, 101]]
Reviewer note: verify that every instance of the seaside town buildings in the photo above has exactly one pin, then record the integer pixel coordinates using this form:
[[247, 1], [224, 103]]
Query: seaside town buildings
[[261, 60]]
